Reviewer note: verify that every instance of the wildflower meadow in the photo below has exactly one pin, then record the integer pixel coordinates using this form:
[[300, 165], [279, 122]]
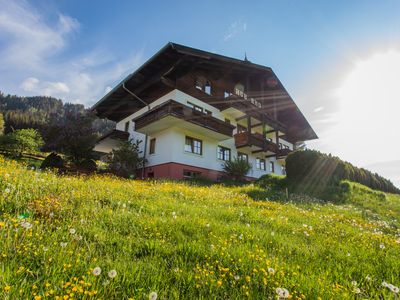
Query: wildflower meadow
[[101, 237]]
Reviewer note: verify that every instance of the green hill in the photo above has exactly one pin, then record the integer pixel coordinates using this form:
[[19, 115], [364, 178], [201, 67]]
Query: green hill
[[61, 237]]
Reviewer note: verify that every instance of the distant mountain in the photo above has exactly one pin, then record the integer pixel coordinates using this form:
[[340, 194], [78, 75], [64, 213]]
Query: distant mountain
[[40, 112]]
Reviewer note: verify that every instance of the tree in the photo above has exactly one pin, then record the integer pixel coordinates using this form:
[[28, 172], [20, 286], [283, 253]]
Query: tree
[[73, 136], [237, 169], [126, 159], [20, 141], [1, 123]]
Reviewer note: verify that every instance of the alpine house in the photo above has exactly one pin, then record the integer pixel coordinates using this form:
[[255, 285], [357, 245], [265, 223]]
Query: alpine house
[[193, 110]]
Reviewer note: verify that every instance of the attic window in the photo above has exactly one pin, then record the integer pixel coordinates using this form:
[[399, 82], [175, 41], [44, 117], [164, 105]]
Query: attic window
[[207, 88], [199, 84], [203, 84], [239, 90]]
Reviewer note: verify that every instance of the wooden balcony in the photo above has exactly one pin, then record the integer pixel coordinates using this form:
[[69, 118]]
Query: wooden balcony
[[282, 153], [256, 142], [169, 113]]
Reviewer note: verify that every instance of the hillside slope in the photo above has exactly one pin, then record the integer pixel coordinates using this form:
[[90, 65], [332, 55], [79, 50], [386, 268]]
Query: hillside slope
[[60, 236]]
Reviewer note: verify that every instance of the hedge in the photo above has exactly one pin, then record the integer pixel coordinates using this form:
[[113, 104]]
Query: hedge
[[320, 174]]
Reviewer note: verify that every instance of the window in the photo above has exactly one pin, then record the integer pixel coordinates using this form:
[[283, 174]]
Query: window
[[199, 84], [223, 153], [152, 148], [272, 167], [260, 164], [207, 88], [190, 174], [241, 128], [243, 156], [280, 146], [227, 94], [127, 126], [227, 121], [195, 107], [203, 84], [239, 90], [193, 145], [208, 112]]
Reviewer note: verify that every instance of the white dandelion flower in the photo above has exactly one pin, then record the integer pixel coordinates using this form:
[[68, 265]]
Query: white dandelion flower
[[354, 283], [241, 236], [282, 293], [72, 231], [208, 225], [236, 277], [248, 225], [112, 274], [7, 191], [272, 233], [153, 296], [96, 271], [63, 245], [45, 249], [306, 233], [382, 246], [348, 254], [174, 215], [357, 291], [271, 271], [26, 225]]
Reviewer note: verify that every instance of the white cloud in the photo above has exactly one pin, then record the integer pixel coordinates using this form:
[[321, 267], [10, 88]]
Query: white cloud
[[234, 29], [47, 88], [31, 60], [28, 39], [318, 109], [30, 84]]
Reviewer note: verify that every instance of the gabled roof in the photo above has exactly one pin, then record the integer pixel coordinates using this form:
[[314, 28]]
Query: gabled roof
[[119, 103]]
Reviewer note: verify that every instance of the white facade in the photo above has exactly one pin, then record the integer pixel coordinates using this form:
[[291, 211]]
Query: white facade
[[170, 142]]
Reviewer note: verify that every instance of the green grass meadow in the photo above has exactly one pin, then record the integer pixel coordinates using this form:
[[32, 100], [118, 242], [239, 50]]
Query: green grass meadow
[[101, 237]]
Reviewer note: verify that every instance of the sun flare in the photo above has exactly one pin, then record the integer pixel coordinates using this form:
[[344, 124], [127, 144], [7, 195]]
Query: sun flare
[[369, 101]]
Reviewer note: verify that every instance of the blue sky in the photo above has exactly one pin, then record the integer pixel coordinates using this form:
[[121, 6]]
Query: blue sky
[[77, 50]]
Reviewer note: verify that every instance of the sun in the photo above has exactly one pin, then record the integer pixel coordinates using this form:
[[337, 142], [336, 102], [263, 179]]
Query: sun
[[368, 121]]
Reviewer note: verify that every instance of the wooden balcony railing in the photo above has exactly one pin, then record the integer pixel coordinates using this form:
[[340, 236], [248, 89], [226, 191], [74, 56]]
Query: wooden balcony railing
[[185, 113], [244, 139]]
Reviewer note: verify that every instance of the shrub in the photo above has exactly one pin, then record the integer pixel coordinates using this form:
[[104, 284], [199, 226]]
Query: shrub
[[272, 181], [237, 168], [20, 141], [88, 165], [126, 158], [53, 160]]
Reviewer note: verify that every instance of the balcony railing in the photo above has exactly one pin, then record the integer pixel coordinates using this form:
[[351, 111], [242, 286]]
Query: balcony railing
[[185, 113], [257, 140]]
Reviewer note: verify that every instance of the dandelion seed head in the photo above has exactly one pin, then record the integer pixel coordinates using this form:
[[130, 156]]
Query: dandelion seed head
[[112, 274], [153, 296], [96, 271], [282, 293]]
